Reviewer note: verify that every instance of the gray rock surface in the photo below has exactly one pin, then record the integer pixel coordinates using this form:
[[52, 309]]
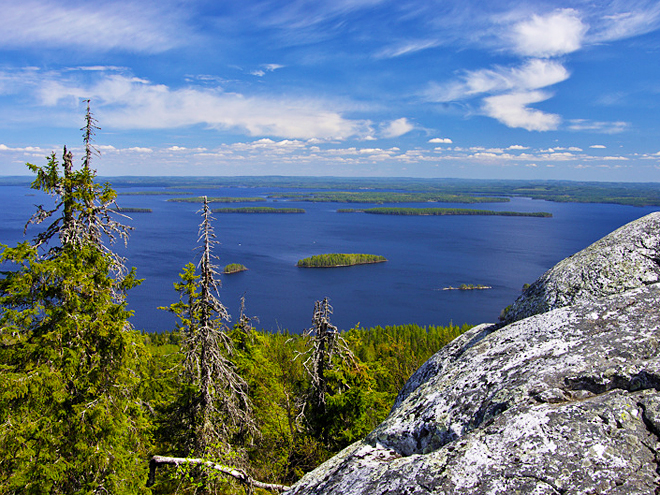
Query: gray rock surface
[[626, 259], [561, 402]]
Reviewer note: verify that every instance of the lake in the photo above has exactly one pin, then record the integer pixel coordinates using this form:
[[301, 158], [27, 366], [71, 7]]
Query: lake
[[425, 254]]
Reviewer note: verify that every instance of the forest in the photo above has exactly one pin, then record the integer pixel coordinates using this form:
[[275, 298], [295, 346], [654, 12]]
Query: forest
[[90, 405]]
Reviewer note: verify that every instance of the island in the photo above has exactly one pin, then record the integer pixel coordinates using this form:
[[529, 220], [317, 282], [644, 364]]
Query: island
[[200, 199], [131, 210], [468, 287], [334, 260], [443, 211], [258, 209], [380, 197], [234, 268]]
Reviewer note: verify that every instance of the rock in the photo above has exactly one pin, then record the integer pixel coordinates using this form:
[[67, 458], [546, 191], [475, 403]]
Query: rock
[[561, 402], [626, 259]]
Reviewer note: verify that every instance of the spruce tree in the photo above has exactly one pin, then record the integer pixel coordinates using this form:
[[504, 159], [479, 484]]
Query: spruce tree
[[70, 414]]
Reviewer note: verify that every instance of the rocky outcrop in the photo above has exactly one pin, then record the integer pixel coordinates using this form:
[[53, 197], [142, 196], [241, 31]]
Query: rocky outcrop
[[626, 259], [561, 402]]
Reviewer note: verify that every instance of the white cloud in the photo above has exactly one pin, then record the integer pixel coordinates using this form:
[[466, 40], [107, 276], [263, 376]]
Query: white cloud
[[554, 34], [266, 68], [534, 74], [138, 149], [517, 147], [406, 48], [598, 146], [131, 26], [512, 111], [441, 140], [397, 128], [127, 102], [621, 25], [596, 126], [176, 148]]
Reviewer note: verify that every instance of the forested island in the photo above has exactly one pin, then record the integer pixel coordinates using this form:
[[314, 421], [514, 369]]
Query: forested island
[[442, 211], [334, 260], [200, 199], [380, 197], [258, 209], [234, 268], [132, 210]]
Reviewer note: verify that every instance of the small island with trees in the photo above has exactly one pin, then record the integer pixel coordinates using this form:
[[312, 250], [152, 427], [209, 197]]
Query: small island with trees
[[234, 268], [334, 260], [468, 287]]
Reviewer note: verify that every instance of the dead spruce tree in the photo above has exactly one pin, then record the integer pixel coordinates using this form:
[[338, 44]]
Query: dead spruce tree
[[214, 407], [327, 347]]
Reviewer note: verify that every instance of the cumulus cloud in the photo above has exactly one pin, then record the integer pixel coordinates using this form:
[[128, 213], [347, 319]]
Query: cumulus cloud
[[397, 128], [517, 147], [550, 35], [598, 146], [512, 110], [441, 140]]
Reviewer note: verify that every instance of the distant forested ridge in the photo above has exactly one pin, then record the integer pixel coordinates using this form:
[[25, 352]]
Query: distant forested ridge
[[339, 259], [258, 209], [442, 211], [622, 193]]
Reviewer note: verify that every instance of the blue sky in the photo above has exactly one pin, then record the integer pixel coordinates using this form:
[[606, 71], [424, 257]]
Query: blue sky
[[528, 90]]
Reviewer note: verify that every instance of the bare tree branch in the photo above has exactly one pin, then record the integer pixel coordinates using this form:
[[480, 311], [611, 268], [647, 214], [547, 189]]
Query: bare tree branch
[[237, 474]]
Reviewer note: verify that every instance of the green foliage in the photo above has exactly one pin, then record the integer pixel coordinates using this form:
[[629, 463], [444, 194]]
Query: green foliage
[[70, 362], [359, 396], [339, 259]]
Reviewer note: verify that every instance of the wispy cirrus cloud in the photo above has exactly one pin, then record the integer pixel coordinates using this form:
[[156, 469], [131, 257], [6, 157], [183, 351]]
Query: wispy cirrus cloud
[[129, 26], [598, 126]]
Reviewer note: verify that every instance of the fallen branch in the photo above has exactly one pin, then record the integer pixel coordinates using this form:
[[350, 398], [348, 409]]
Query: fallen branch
[[238, 474]]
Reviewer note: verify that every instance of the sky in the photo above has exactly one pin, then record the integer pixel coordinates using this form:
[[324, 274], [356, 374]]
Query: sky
[[404, 88]]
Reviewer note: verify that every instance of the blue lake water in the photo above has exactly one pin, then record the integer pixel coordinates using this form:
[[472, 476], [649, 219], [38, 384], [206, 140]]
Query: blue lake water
[[424, 255]]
